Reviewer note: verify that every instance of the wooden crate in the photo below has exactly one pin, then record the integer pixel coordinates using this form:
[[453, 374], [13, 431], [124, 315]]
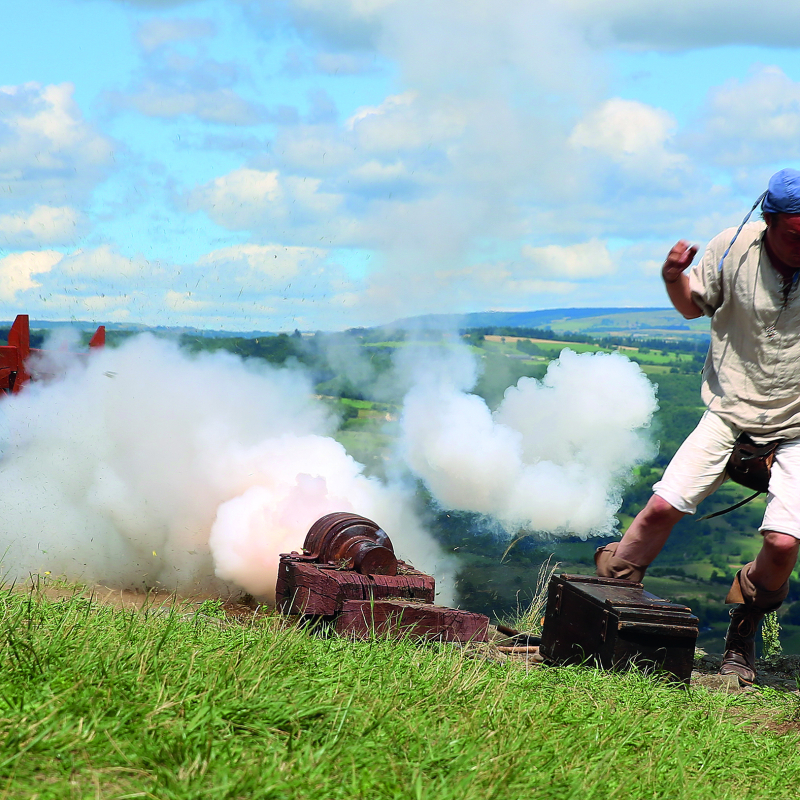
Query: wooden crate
[[615, 624]]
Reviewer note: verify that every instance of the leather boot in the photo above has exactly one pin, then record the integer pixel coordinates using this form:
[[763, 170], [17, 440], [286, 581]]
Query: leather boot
[[753, 603], [740, 644], [609, 565]]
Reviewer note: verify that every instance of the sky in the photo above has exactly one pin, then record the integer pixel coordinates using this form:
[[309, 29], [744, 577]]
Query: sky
[[326, 164]]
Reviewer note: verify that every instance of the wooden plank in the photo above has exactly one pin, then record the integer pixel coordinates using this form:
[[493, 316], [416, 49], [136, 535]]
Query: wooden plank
[[363, 619], [306, 588], [301, 589]]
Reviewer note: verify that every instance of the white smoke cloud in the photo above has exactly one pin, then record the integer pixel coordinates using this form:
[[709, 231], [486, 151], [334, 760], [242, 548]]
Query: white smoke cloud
[[553, 456], [143, 466]]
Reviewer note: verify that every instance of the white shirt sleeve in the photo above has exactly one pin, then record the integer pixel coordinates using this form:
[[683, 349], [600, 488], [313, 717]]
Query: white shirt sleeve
[[705, 278]]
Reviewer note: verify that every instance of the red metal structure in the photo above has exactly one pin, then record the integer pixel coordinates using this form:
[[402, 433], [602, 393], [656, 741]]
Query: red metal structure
[[13, 374]]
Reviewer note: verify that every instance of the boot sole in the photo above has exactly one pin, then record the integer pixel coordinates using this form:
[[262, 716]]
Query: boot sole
[[743, 681]]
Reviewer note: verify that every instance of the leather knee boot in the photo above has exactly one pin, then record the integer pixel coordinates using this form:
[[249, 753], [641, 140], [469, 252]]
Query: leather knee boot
[[609, 565], [752, 604]]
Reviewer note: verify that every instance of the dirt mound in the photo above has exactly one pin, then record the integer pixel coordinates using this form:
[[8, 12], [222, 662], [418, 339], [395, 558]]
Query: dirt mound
[[780, 672]]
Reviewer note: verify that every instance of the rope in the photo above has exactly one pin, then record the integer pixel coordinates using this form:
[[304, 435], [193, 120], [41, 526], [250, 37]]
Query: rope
[[736, 235]]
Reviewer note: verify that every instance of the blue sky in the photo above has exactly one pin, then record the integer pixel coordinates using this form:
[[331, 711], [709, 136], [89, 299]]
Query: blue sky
[[321, 164]]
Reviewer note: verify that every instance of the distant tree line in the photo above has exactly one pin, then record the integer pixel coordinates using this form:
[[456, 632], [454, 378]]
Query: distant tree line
[[697, 344], [37, 337], [274, 349]]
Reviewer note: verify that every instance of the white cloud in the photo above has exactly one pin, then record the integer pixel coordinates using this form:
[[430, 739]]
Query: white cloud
[[590, 259], [633, 134], [171, 83], [634, 24], [104, 263], [460, 288], [48, 153], [687, 24], [751, 122], [185, 303], [42, 225], [114, 305], [219, 105], [280, 277], [275, 262], [268, 201], [500, 131], [377, 175], [94, 282], [17, 271], [499, 283], [153, 33], [355, 24], [431, 173], [402, 123], [242, 187], [319, 150]]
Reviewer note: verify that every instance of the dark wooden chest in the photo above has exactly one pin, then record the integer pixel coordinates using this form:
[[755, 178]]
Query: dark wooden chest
[[615, 624]]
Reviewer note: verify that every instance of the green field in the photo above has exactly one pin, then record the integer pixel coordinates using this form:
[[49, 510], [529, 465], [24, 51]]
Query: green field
[[169, 704], [653, 324], [646, 356]]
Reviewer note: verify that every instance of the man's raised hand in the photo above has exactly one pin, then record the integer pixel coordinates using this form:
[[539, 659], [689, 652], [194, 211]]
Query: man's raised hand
[[681, 255]]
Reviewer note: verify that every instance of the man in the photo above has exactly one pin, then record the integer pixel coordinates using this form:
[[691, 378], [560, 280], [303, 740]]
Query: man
[[747, 282]]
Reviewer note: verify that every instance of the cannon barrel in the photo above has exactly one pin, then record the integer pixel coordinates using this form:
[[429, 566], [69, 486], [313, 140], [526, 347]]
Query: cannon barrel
[[351, 542]]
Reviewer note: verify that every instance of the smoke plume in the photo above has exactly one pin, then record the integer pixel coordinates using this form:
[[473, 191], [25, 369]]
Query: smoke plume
[[141, 466], [553, 457]]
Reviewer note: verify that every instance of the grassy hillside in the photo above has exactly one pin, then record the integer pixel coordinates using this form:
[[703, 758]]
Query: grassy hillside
[[649, 322], [632, 322], [168, 704], [515, 319]]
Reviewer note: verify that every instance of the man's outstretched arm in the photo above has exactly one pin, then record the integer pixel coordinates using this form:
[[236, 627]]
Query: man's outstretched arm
[[677, 282]]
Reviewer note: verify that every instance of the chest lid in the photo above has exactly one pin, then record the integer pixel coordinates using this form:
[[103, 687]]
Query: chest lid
[[626, 600]]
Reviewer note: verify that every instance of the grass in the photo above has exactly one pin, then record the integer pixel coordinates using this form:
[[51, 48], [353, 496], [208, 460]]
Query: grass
[[107, 703], [529, 619]]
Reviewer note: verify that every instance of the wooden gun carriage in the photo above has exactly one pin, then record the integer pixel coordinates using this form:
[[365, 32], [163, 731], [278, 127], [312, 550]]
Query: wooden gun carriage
[[349, 577]]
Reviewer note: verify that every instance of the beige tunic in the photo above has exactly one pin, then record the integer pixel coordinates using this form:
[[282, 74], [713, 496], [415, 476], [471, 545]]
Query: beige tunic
[[751, 377]]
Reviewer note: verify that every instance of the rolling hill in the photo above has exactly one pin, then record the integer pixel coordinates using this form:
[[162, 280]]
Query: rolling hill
[[644, 322]]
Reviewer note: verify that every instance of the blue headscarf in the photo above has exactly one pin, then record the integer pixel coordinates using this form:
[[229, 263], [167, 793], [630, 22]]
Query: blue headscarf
[[783, 194], [782, 197]]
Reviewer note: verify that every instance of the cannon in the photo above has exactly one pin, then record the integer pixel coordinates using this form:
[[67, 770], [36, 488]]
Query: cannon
[[348, 576]]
